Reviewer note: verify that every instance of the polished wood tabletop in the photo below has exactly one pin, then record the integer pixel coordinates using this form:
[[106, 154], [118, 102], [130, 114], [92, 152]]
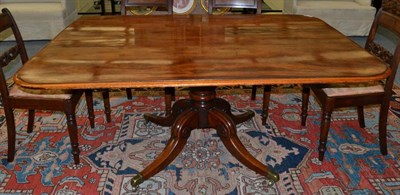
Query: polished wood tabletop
[[198, 50]]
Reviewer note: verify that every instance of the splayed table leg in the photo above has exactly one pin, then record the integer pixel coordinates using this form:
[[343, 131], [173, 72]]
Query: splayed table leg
[[202, 110]]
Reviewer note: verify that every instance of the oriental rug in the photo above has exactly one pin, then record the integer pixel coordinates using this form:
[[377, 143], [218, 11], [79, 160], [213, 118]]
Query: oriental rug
[[112, 153]]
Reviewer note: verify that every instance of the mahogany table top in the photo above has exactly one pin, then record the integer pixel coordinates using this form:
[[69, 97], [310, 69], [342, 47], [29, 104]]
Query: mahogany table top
[[198, 50]]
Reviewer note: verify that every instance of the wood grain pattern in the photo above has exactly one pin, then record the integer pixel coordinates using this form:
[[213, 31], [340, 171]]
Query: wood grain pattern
[[198, 50]]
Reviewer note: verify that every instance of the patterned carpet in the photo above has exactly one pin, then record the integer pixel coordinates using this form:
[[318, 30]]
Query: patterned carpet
[[113, 152]]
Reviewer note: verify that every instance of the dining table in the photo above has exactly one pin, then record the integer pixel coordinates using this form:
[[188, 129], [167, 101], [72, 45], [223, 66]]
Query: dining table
[[200, 52]]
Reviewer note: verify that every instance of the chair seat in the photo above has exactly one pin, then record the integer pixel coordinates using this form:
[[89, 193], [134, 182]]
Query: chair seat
[[17, 91], [352, 89], [361, 95]]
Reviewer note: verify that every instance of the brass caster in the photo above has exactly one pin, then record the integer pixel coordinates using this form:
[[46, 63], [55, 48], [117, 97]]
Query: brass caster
[[270, 183], [272, 178], [146, 120], [136, 181]]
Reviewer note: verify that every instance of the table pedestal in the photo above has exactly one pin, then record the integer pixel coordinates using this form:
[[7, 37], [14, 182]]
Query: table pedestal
[[202, 110]]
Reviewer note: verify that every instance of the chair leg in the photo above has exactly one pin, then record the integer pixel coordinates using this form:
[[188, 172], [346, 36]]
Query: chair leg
[[107, 107], [304, 105], [253, 92], [383, 116], [73, 132], [128, 93], [360, 112], [31, 120], [327, 109], [266, 99], [89, 104], [169, 97], [173, 94], [11, 135]]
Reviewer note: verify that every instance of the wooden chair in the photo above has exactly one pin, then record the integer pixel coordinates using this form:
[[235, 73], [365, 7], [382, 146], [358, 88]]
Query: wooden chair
[[335, 96], [138, 3], [251, 5], [169, 91], [16, 97], [246, 4]]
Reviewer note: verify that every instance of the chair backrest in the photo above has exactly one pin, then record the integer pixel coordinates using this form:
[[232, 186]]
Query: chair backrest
[[7, 23], [391, 23], [391, 6], [250, 4], [128, 4]]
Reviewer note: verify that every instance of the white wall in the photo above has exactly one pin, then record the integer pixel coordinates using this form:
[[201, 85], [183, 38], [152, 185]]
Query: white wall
[[274, 4], [83, 5]]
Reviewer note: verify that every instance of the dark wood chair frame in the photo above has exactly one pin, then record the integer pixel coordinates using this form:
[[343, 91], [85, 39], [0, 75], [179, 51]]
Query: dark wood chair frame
[[328, 104], [38, 102], [247, 4], [255, 5], [135, 3]]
